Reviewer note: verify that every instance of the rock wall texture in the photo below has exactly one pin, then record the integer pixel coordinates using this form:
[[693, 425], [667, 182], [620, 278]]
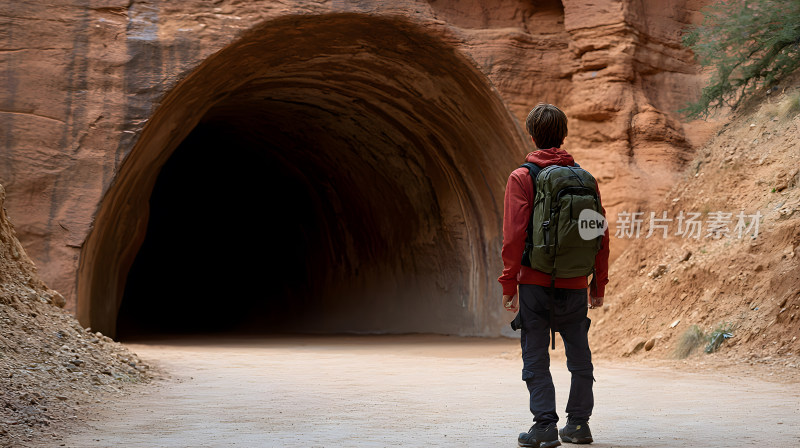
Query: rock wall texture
[[416, 100]]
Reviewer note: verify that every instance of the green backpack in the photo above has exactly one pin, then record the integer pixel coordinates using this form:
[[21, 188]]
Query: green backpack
[[554, 244]]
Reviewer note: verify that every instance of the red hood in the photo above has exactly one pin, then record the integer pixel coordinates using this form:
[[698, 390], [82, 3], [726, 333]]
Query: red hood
[[552, 156]]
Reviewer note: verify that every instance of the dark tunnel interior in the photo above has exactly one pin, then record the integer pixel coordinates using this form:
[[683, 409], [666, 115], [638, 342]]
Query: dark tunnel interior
[[273, 216], [228, 237], [323, 174]]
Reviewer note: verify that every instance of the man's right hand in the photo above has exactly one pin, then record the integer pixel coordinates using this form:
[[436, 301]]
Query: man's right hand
[[595, 302], [511, 303]]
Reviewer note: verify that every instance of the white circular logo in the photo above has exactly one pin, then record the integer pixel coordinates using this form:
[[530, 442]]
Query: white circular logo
[[591, 224]]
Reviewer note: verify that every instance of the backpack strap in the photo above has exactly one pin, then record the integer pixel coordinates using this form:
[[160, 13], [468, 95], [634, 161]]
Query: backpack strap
[[533, 170]]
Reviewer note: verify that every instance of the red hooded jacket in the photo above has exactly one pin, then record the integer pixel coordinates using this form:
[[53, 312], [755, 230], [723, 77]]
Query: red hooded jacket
[[517, 213]]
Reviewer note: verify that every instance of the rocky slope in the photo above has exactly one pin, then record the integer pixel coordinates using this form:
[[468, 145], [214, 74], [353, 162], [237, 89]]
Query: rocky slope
[[50, 366], [731, 279]]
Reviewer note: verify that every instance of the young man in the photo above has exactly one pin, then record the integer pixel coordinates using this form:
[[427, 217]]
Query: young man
[[547, 126]]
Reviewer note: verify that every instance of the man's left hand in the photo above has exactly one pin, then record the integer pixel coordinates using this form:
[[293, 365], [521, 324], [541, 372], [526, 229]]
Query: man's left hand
[[511, 303]]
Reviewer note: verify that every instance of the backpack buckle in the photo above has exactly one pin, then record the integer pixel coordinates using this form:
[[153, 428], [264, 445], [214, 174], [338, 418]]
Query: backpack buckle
[[546, 227]]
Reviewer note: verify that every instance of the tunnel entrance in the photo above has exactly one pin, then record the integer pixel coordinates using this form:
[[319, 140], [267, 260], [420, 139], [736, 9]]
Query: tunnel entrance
[[336, 173], [231, 237]]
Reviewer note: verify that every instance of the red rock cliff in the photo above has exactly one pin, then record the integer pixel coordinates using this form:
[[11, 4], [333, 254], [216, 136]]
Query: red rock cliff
[[97, 98]]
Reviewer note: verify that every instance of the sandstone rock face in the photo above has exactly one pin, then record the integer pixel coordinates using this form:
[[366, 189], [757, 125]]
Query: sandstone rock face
[[18, 279], [414, 101]]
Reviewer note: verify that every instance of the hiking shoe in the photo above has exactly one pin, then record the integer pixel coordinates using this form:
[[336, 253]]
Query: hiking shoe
[[576, 431], [540, 436]]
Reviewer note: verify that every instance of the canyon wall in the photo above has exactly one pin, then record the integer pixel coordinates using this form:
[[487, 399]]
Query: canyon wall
[[418, 105]]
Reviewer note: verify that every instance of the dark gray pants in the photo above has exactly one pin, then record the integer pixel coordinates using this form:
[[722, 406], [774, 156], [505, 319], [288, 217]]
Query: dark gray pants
[[569, 314]]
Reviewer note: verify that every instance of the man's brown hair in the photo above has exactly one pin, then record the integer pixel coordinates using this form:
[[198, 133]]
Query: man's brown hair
[[547, 125]]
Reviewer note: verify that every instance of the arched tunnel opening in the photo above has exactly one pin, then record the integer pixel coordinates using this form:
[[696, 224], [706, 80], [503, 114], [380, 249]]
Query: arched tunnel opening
[[261, 211], [336, 173], [308, 226]]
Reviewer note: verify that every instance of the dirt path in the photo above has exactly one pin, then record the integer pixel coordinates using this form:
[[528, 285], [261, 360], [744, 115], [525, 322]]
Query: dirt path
[[417, 391]]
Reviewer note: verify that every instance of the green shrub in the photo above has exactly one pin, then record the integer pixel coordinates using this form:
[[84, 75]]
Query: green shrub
[[718, 336], [747, 44], [692, 338]]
